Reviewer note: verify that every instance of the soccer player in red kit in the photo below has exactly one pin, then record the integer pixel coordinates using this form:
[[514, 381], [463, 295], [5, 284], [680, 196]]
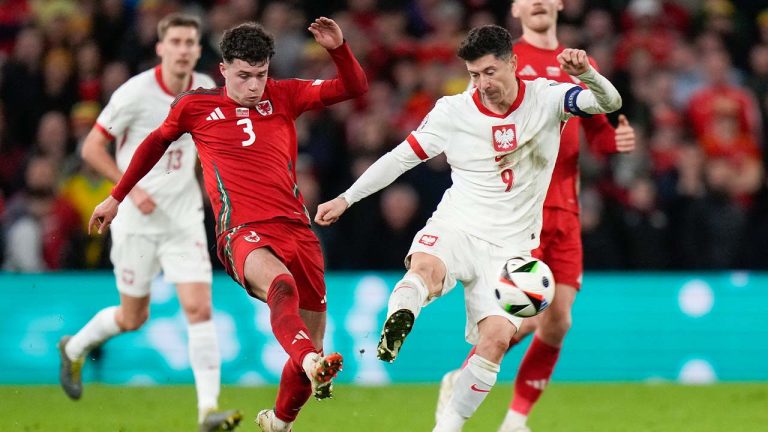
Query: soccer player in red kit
[[246, 138], [560, 246]]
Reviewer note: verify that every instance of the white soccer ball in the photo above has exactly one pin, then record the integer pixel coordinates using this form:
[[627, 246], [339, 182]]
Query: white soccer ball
[[526, 287]]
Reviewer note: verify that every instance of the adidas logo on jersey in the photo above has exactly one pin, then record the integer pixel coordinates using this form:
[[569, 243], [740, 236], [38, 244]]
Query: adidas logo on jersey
[[528, 70], [299, 336], [215, 114]]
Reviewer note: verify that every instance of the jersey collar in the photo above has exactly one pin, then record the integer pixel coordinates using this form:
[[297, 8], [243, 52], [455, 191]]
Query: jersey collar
[[166, 90], [514, 106], [525, 43]]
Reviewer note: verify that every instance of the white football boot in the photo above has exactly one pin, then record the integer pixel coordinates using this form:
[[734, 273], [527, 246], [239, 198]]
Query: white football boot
[[268, 422]]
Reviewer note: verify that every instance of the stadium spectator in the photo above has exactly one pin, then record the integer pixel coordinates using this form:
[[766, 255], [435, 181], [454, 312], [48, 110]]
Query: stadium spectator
[[12, 160], [43, 228], [22, 81], [88, 71], [721, 93]]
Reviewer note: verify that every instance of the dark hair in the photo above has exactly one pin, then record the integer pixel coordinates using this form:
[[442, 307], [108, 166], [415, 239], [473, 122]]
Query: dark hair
[[247, 42], [484, 40], [177, 20]]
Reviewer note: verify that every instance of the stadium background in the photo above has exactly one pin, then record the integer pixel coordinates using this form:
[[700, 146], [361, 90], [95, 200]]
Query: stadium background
[[674, 234]]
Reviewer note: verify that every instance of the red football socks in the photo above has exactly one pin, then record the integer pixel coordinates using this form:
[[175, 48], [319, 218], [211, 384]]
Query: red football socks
[[287, 325], [534, 375], [293, 393]]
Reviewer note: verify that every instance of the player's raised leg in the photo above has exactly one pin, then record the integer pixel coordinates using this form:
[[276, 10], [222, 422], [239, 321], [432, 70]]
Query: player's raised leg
[[268, 279], [423, 280]]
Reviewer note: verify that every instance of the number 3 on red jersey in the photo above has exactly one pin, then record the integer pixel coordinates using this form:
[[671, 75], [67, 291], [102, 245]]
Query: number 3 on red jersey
[[248, 129]]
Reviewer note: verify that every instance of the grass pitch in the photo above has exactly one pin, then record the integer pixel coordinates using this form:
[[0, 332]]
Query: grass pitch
[[400, 408]]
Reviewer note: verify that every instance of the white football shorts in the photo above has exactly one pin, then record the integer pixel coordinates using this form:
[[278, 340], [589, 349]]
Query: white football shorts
[[474, 262], [181, 253]]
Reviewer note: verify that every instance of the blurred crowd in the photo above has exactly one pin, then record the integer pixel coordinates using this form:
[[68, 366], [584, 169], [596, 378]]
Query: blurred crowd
[[693, 75]]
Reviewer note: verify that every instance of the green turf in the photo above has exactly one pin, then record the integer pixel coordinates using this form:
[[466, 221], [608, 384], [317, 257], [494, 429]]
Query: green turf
[[564, 408]]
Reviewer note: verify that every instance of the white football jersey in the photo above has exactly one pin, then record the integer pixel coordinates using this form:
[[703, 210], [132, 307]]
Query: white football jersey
[[501, 164], [137, 108]]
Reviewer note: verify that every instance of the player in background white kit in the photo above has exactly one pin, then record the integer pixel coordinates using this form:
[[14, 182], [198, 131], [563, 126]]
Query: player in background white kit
[[161, 226], [501, 141]]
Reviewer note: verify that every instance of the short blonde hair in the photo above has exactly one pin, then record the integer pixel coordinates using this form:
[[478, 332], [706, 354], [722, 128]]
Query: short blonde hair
[[177, 20]]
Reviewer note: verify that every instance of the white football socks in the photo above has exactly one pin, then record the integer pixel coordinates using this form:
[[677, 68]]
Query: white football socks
[[410, 293], [308, 364], [101, 327], [205, 359], [471, 388]]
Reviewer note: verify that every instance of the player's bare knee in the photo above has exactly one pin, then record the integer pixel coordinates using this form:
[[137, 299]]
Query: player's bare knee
[[255, 290], [430, 273], [198, 312], [556, 325], [493, 346], [133, 321]]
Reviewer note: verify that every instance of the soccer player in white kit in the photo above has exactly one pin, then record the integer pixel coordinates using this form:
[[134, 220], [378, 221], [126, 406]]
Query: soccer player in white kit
[[501, 140], [161, 226]]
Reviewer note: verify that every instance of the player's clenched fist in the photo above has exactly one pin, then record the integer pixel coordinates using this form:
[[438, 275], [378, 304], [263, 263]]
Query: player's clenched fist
[[103, 214], [329, 212], [573, 61]]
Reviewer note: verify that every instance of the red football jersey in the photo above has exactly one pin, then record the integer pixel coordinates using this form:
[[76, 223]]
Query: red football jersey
[[532, 63], [248, 154]]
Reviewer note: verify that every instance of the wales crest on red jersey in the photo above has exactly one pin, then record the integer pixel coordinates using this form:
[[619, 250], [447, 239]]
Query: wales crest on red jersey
[[504, 138], [264, 107]]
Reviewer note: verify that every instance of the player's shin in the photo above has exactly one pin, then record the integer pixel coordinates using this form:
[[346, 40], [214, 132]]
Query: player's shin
[[410, 293], [101, 327], [472, 386], [288, 327], [293, 393], [205, 360], [534, 374]]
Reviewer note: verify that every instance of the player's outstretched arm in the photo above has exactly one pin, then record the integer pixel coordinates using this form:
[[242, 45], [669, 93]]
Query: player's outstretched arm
[[378, 176], [330, 211], [602, 96], [352, 81]]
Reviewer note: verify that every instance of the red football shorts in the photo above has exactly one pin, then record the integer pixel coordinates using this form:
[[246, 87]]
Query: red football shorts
[[561, 247], [292, 242]]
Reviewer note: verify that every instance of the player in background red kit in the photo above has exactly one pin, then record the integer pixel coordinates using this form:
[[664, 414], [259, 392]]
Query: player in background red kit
[[246, 139], [560, 247]]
